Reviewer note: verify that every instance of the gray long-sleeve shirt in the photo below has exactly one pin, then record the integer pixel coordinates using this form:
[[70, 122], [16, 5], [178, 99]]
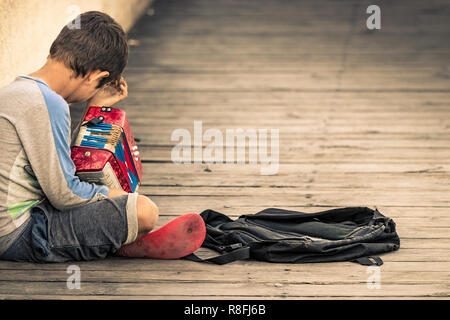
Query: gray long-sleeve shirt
[[35, 158]]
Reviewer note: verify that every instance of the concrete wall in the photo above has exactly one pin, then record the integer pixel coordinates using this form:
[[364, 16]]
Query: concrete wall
[[28, 27]]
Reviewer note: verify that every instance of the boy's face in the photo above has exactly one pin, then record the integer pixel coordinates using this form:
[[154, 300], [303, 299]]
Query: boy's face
[[87, 87]]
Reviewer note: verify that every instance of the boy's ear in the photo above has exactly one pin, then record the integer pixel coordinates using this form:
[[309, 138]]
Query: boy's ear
[[97, 75]]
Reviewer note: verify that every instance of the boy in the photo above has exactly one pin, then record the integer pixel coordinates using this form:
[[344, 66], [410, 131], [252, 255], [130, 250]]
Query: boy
[[46, 213]]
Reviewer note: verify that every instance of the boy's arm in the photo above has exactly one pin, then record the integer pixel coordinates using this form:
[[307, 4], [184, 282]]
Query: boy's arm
[[109, 95], [45, 138]]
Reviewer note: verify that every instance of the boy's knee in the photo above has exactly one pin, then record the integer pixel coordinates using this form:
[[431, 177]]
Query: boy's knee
[[148, 214]]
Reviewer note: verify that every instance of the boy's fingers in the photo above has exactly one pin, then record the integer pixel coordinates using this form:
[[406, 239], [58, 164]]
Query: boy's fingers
[[124, 86]]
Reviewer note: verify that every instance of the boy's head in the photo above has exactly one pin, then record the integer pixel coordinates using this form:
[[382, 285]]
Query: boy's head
[[98, 48]]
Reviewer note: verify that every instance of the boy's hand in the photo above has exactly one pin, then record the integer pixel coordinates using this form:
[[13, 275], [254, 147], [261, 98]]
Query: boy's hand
[[116, 192], [110, 94]]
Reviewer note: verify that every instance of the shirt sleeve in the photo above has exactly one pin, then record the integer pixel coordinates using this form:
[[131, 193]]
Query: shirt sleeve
[[45, 136]]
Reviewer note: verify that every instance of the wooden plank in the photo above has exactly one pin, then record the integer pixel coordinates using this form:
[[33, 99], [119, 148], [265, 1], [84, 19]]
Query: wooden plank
[[309, 181], [304, 124], [269, 8], [308, 101], [246, 205], [300, 114], [289, 24], [291, 154], [290, 276], [300, 168], [214, 276], [171, 175], [300, 111], [191, 203], [317, 80], [292, 192], [200, 290], [121, 264], [381, 44], [370, 136], [412, 259], [257, 183]]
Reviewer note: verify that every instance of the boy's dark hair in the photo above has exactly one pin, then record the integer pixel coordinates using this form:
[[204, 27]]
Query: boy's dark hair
[[99, 44]]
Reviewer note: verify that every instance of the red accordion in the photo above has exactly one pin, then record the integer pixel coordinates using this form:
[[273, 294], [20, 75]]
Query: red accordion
[[105, 151]]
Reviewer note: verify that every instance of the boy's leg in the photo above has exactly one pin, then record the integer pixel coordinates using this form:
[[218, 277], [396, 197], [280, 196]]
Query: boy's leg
[[147, 215], [86, 232]]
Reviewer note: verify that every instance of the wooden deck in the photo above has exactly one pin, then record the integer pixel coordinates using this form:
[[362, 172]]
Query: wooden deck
[[364, 120]]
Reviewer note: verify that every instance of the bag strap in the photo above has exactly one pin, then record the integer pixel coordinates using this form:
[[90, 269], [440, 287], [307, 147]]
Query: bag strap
[[241, 253], [369, 261]]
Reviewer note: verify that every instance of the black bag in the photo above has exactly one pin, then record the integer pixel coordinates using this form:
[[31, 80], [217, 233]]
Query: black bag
[[284, 236]]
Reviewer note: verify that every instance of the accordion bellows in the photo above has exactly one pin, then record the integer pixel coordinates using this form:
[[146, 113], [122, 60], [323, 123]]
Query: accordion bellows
[[105, 151]]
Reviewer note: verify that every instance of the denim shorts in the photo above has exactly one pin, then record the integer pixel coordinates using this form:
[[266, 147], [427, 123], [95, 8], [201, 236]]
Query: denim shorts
[[84, 233]]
